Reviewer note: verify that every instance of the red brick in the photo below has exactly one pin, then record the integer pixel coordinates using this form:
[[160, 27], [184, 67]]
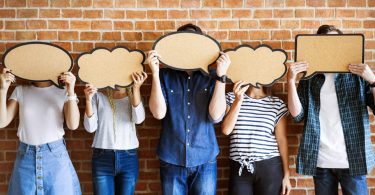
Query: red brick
[[131, 14], [207, 24], [255, 3], [81, 3], [345, 13], [27, 13], [13, 25], [80, 25], [269, 24], [151, 35], [132, 36], [238, 35], [36, 24], [146, 3], [336, 3], [290, 24], [250, 24], [58, 24], [315, 3], [190, 3], [46, 35], [241, 13], [304, 13], [165, 25], [123, 25], [294, 3], [93, 14], [169, 3], [101, 25], [7, 35], [312, 24], [233, 3], [60, 3], [259, 34], [324, 13], [145, 25], [157, 14], [68, 35], [177, 14], [263, 13], [71, 13], [25, 35], [37, 3], [197, 14], [211, 3], [111, 36], [369, 24], [228, 24], [103, 3], [274, 3], [49, 13], [283, 13], [221, 13], [365, 13], [281, 35], [356, 3], [7, 13], [125, 3], [15, 3]]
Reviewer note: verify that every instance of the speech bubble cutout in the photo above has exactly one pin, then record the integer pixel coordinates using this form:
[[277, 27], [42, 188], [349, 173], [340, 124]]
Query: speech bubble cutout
[[110, 68], [187, 50], [329, 53], [259, 66], [38, 61]]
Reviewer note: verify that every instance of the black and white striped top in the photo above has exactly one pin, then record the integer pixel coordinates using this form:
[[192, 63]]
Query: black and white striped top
[[253, 138]]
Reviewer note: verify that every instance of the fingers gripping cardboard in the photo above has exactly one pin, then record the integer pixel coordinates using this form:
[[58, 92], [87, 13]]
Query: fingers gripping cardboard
[[38, 61], [259, 66], [187, 50], [110, 68], [329, 53]]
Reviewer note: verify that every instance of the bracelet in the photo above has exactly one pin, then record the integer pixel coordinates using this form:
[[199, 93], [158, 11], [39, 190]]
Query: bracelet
[[72, 98]]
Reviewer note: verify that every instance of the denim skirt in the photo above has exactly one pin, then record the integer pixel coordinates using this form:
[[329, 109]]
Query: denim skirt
[[44, 170]]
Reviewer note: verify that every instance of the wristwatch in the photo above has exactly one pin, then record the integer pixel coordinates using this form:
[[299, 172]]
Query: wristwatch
[[222, 79]]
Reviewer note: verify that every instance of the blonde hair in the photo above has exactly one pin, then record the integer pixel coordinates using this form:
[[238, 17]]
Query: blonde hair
[[129, 93]]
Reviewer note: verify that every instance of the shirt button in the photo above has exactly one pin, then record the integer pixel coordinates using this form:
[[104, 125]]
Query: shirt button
[[40, 187], [188, 103], [188, 116], [187, 144], [205, 89], [188, 130], [188, 77], [39, 168], [188, 90], [171, 91]]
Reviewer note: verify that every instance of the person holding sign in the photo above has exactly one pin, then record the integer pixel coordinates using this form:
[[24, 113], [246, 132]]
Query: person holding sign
[[42, 165], [189, 103], [112, 116], [256, 123], [336, 142]]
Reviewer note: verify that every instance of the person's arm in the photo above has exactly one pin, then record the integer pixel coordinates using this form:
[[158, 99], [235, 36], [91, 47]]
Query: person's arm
[[282, 142], [8, 109], [90, 119], [364, 71], [294, 103], [217, 104], [232, 111], [138, 111], [157, 102], [71, 111]]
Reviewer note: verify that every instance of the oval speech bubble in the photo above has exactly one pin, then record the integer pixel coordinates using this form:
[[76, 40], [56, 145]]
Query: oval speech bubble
[[110, 68], [38, 61], [259, 66], [187, 50]]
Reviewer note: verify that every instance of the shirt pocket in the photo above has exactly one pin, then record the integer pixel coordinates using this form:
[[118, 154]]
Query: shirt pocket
[[175, 99]]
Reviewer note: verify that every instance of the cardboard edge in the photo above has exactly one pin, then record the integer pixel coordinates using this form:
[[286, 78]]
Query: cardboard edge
[[257, 85], [319, 72], [110, 50], [43, 43], [194, 69]]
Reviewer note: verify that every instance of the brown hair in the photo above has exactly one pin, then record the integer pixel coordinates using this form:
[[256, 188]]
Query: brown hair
[[325, 29], [190, 27]]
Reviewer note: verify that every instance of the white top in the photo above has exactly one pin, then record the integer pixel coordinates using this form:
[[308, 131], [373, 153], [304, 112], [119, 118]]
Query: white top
[[40, 113], [332, 149], [253, 137], [124, 137]]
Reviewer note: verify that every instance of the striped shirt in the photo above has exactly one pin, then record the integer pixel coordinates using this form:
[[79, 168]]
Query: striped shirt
[[253, 138]]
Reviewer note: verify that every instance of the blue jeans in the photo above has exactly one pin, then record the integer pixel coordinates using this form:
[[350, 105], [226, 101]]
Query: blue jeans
[[42, 170], [114, 171], [326, 182], [179, 180]]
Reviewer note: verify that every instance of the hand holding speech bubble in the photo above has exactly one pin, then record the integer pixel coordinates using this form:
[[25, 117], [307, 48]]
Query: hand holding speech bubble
[[110, 68], [330, 52], [38, 61], [187, 50], [259, 66]]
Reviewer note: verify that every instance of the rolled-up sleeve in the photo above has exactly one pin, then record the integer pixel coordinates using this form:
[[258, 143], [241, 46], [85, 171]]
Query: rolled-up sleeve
[[302, 95], [138, 113]]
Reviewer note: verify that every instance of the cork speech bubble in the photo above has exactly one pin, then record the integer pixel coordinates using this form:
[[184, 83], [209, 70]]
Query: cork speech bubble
[[187, 50], [330, 52], [110, 68], [260, 66], [38, 61]]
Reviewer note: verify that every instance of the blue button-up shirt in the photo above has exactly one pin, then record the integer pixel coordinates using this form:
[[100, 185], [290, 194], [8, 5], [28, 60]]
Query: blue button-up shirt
[[188, 135], [353, 96]]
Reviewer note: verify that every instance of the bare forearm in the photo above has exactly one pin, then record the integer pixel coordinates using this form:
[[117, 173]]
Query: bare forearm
[[72, 114], [136, 100], [3, 108], [231, 118], [294, 103], [283, 148], [217, 104], [157, 104]]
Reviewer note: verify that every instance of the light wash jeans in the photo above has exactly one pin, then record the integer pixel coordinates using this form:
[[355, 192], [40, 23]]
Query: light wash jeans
[[44, 170]]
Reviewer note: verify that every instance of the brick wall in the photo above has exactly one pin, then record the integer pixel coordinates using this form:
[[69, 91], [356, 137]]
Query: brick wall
[[80, 25]]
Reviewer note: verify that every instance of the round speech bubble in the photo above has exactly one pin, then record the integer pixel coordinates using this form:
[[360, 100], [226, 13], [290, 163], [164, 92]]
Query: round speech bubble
[[110, 68], [187, 50], [38, 61], [260, 66]]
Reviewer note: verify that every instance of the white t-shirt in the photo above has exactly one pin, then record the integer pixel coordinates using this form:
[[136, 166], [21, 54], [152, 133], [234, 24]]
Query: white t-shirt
[[40, 113], [332, 148], [124, 136]]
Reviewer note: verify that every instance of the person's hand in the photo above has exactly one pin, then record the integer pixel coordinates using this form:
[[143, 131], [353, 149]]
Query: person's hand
[[222, 64], [239, 91], [6, 78], [364, 71], [69, 80], [139, 78], [286, 187], [294, 69], [153, 61], [89, 90]]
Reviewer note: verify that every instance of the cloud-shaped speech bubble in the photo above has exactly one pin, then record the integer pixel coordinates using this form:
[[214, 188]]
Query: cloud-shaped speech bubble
[[259, 66], [187, 50], [110, 68], [329, 53], [38, 61]]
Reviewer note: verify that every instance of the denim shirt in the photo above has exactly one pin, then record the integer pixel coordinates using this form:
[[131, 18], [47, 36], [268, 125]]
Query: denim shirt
[[354, 96], [188, 135]]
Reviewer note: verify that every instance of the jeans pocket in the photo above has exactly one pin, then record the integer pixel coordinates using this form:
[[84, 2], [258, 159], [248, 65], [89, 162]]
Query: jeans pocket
[[132, 152]]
